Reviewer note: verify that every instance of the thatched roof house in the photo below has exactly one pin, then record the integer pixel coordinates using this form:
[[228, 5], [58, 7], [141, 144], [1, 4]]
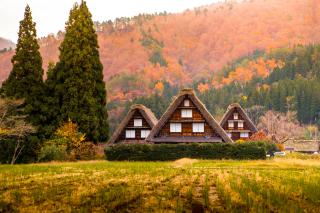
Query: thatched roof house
[[135, 127], [186, 121], [237, 123]]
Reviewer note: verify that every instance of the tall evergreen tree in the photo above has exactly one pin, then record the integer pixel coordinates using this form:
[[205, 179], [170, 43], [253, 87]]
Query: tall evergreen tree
[[78, 78], [25, 82], [25, 78]]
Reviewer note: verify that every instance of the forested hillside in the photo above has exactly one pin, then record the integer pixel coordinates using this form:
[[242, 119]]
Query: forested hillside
[[6, 45], [186, 47], [291, 82]]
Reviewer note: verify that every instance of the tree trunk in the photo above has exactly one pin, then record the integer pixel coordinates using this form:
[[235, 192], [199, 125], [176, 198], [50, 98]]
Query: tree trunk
[[17, 151]]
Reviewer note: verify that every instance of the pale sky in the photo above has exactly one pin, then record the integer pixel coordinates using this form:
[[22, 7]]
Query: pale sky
[[51, 15]]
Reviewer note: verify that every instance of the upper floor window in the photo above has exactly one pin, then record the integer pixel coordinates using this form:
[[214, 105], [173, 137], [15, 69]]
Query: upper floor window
[[175, 127], [186, 103], [240, 125], [186, 113], [130, 134], [235, 116], [137, 122], [198, 127]]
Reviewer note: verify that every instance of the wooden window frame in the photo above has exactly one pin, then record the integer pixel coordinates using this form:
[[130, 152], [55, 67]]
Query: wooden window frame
[[230, 126], [186, 103], [143, 133], [140, 122], [246, 134], [235, 116], [197, 129], [174, 129], [129, 136], [185, 113]]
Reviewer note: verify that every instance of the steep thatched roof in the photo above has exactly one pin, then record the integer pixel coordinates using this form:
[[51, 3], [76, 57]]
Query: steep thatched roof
[[145, 112], [171, 109], [243, 114]]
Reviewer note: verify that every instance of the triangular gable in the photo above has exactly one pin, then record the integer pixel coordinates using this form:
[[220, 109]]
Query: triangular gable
[[236, 107], [144, 111], [189, 94]]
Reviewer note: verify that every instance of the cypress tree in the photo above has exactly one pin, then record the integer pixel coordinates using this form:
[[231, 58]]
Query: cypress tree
[[25, 78], [78, 77]]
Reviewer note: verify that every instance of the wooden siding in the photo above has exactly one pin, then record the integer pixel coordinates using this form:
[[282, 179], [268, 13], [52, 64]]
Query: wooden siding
[[186, 123], [130, 126], [236, 130]]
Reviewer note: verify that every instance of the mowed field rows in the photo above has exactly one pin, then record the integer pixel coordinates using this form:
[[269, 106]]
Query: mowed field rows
[[277, 185]]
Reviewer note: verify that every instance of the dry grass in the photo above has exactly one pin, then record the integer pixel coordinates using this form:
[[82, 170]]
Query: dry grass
[[186, 185], [184, 162]]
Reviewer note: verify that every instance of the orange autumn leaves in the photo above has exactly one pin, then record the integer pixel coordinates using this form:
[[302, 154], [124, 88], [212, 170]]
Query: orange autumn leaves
[[159, 87], [244, 73], [173, 73], [256, 68], [203, 87], [196, 44]]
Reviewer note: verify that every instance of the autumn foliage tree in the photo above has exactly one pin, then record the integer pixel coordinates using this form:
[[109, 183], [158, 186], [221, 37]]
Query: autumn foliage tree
[[77, 146], [13, 129], [68, 143], [281, 126]]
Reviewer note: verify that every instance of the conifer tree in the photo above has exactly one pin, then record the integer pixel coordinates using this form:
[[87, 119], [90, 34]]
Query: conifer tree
[[25, 78], [78, 78]]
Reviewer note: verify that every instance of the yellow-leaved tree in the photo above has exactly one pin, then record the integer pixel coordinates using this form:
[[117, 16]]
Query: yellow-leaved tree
[[78, 147], [68, 144]]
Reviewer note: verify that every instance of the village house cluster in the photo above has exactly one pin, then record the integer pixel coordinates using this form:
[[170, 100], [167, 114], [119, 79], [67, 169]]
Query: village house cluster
[[186, 121]]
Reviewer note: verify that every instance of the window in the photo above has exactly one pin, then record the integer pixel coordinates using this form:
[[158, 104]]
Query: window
[[175, 127], [240, 125], [235, 116], [186, 103], [230, 124], [186, 113], [244, 135], [145, 133], [130, 134], [198, 127], [137, 122], [229, 134]]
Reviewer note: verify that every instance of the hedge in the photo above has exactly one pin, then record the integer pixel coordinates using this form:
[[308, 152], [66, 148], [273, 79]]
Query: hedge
[[167, 152]]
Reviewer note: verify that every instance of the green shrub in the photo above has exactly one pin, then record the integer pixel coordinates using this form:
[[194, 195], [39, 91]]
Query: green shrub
[[167, 152], [52, 152]]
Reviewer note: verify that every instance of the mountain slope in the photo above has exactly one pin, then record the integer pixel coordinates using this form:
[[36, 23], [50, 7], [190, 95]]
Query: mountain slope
[[292, 86], [6, 44], [181, 48]]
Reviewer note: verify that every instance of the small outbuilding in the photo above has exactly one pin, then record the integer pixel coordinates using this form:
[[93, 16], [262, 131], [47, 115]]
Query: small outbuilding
[[305, 146], [187, 121], [237, 123], [135, 127]]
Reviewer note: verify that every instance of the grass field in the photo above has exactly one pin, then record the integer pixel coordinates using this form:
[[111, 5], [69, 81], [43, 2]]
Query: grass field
[[277, 185]]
